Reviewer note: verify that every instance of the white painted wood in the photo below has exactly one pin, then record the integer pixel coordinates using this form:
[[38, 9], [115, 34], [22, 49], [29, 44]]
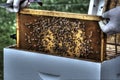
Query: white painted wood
[[96, 7]]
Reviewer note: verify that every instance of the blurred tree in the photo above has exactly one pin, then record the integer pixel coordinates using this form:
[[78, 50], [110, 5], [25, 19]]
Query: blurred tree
[[76, 6], [7, 27]]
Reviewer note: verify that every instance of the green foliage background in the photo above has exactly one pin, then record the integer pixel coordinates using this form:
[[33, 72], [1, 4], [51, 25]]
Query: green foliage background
[[8, 20], [7, 27], [76, 6]]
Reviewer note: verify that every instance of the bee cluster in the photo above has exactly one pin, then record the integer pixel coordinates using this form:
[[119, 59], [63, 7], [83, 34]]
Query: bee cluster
[[61, 36]]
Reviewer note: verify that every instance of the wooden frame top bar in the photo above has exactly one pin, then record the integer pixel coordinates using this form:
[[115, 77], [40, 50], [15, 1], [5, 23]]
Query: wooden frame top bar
[[61, 14]]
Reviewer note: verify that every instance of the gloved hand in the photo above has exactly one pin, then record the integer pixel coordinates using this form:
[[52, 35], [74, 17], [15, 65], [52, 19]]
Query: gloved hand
[[17, 4], [113, 26]]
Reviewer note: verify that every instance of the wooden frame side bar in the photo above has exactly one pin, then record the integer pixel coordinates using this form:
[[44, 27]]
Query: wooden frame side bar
[[17, 29]]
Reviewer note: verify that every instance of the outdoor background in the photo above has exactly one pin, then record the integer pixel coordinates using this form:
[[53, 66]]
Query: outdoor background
[[8, 20]]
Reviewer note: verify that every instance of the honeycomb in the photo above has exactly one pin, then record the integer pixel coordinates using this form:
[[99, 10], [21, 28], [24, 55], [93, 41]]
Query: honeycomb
[[60, 36]]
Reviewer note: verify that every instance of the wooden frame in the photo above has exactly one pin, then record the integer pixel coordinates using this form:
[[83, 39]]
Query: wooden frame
[[63, 15]]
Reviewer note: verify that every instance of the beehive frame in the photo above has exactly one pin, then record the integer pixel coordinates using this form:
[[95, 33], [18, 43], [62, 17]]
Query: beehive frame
[[93, 37]]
